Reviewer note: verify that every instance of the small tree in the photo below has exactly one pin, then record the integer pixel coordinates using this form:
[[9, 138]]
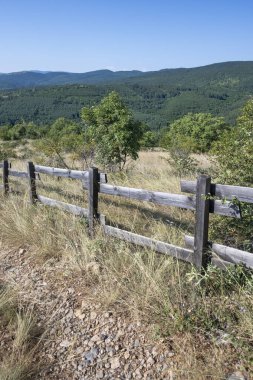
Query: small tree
[[194, 133], [64, 137], [116, 135], [234, 155]]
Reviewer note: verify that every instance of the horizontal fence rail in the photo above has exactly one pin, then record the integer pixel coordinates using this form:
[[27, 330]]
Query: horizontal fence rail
[[229, 192], [155, 245], [167, 199], [68, 173], [202, 202], [224, 253], [73, 209]]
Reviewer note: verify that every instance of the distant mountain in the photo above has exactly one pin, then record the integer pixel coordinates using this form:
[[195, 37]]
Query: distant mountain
[[35, 78], [156, 97]]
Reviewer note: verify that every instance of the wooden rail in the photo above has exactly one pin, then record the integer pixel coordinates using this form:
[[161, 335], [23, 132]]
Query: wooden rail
[[224, 253], [73, 209], [243, 194], [203, 202]]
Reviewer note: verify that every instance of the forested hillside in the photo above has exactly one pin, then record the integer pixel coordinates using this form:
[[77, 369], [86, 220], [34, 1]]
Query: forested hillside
[[154, 97]]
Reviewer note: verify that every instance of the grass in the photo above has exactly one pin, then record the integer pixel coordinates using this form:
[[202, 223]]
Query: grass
[[17, 322], [205, 317]]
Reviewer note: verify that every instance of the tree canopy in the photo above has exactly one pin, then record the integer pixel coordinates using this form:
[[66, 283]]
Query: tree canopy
[[115, 133], [194, 132]]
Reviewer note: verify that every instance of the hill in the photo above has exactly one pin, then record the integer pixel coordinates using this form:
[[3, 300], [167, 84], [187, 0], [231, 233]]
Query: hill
[[156, 98], [24, 79]]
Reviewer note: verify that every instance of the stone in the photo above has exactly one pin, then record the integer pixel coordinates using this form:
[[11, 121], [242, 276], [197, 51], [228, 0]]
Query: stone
[[115, 363], [65, 343], [93, 315], [91, 355]]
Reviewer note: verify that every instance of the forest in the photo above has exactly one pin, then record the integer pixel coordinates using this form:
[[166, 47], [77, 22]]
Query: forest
[[155, 98]]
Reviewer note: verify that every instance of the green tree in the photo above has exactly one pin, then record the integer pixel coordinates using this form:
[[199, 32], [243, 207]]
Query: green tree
[[114, 131], [234, 155], [64, 137], [194, 132]]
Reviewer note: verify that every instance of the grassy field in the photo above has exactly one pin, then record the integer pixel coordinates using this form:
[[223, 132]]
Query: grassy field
[[206, 317]]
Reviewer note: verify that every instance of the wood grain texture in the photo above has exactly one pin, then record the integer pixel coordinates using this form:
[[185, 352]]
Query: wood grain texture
[[232, 255], [73, 209], [200, 250], [229, 192], [15, 173], [31, 182], [161, 198], [93, 199], [66, 173], [156, 245], [6, 187]]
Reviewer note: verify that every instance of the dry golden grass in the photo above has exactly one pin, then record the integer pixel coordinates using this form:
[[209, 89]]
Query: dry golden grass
[[17, 357], [156, 289]]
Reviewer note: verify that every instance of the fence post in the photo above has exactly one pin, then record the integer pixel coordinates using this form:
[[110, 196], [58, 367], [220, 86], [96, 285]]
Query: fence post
[[32, 182], [200, 254], [6, 177], [93, 198]]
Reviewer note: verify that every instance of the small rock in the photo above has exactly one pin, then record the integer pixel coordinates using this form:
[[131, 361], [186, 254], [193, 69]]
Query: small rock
[[65, 343], [78, 313], [100, 374], [115, 363], [91, 355], [93, 315]]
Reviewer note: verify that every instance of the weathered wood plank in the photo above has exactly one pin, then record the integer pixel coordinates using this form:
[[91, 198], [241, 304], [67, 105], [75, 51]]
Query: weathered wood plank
[[73, 209], [93, 199], [32, 182], [15, 173], [156, 245], [225, 208], [200, 250], [161, 198], [6, 187], [243, 194], [67, 173], [232, 255], [167, 199]]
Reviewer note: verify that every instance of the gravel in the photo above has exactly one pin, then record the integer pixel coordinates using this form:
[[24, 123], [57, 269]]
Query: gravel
[[81, 340]]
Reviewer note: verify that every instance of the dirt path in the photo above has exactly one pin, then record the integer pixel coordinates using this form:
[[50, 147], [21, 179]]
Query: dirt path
[[80, 339]]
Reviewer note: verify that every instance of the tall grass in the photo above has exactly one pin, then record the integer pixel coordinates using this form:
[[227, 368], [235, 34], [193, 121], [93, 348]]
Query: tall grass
[[206, 318]]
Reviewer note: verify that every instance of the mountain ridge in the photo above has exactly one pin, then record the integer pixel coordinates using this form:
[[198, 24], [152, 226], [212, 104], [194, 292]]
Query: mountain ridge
[[156, 97], [34, 78]]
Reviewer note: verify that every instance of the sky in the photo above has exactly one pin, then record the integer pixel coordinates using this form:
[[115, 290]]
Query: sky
[[87, 35]]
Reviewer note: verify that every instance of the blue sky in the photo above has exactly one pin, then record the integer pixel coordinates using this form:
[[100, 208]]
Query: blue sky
[[86, 35]]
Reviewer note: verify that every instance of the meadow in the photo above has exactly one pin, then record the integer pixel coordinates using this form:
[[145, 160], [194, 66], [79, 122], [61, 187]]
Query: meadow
[[206, 317]]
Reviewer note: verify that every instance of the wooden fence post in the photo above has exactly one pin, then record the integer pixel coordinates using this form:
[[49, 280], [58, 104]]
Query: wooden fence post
[[32, 182], [200, 254], [6, 177], [93, 198]]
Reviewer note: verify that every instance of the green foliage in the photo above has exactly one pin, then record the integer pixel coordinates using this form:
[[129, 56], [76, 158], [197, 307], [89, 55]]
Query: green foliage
[[64, 137], [234, 154], [155, 98], [182, 163], [116, 135], [21, 131], [194, 132], [149, 140], [7, 151]]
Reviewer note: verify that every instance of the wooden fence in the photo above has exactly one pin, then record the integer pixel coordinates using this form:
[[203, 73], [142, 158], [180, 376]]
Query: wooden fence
[[205, 198]]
